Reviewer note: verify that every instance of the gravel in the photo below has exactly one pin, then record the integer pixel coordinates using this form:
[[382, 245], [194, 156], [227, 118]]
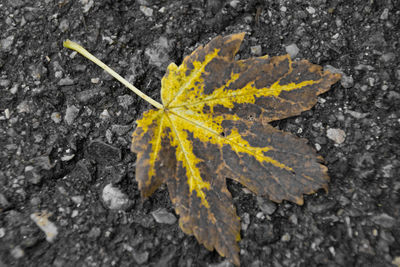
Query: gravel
[[163, 216], [114, 199], [337, 135], [65, 132], [292, 50]]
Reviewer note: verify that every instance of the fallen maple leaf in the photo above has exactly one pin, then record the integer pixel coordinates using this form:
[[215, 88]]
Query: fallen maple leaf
[[213, 124]]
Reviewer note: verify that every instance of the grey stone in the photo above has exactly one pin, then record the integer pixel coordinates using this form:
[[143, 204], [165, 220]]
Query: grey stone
[[266, 206], [385, 14], [77, 199], [6, 43], [264, 234], [318, 208], [147, 11], [94, 233], [356, 114], [344, 201], [336, 135], [310, 10], [140, 257], [163, 216], [87, 95], [293, 219], [66, 81], [87, 5], [83, 171], [64, 25], [17, 252], [24, 107], [256, 50], [71, 114], [292, 50], [56, 117], [32, 176], [103, 152], [125, 101], [347, 81], [120, 129], [384, 220], [234, 3], [245, 220], [4, 82], [48, 227], [365, 247], [4, 204], [158, 53], [42, 162], [114, 199], [286, 237], [388, 57], [2, 234], [105, 115], [35, 201]]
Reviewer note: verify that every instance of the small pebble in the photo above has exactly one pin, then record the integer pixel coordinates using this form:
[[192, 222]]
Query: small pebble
[[103, 152], [14, 89], [125, 101], [42, 221], [66, 81], [256, 50], [7, 113], [396, 261], [310, 10], [293, 219], [292, 50], [2, 232], [77, 199], [384, 220], [56, 117], [6, 44], [146, 11], [23, 107], [140, 257], [317, 147], [266, 206], [245, 220], [17, 252], [86, 5], [64, 25], [234, 3], [105, 115], [347, 81], [95, 80], [74, 213], [163, 216], [285, 237], [388, 57], [70, 114], [4, 83], [385, 14], [114, 199], [336, 135]]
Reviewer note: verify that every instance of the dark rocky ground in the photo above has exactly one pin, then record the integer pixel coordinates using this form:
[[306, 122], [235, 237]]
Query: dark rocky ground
[[66, 125]]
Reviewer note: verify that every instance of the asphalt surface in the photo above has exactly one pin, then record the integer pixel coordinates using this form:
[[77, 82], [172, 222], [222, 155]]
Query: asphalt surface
[[67, 189]]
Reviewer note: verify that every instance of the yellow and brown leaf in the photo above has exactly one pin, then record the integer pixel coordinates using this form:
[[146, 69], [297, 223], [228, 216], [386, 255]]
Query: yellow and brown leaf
[[214, 125]]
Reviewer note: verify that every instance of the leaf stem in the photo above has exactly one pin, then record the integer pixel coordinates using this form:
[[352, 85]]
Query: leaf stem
[[74, 46]]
